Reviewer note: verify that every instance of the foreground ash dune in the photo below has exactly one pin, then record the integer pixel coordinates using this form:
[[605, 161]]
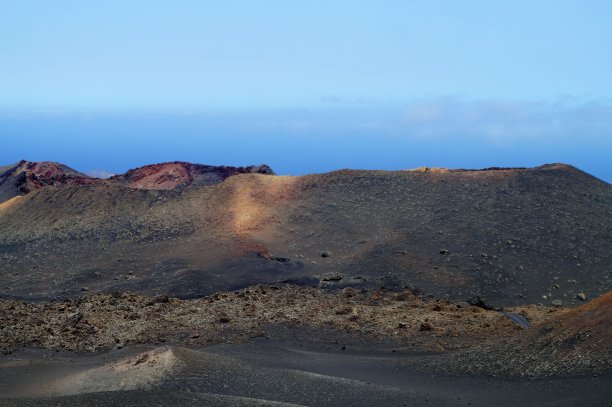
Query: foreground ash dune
[[559, 341], [290, 345], [181, 283], [511, 236]]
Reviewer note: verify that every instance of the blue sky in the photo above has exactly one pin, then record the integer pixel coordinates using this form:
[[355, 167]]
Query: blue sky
[[307, 86]]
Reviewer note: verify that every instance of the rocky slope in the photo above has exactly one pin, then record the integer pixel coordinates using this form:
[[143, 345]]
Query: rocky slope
[[571, 342], [25, 177], [511, 236]]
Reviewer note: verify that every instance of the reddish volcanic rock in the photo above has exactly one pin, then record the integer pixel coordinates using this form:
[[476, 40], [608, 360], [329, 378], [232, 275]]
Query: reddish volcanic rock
[[182, 174], [25, 177]]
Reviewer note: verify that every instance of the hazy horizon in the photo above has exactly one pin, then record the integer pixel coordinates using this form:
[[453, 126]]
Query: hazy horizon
[[307, 87]]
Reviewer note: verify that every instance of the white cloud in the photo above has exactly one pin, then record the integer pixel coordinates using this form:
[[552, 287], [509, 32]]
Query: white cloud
[[503, 122]]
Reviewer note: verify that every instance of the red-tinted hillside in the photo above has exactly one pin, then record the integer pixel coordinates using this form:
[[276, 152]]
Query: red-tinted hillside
[[25, 177], [181, 174]]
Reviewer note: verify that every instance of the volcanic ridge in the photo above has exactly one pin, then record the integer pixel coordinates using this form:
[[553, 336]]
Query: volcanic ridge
[[503, 273]]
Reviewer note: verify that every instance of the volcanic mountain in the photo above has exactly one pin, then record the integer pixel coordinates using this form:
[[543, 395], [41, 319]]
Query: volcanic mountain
[[504, 236], [25, 177], [418, 287], [177, 174]]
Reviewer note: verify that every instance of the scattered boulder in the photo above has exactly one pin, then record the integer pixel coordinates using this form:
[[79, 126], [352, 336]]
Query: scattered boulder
[[425, 327], [266, 255], [581, 296], [481, 302], [349, 292], [331, 277], [343, 310], [557, 303], [326, 254]]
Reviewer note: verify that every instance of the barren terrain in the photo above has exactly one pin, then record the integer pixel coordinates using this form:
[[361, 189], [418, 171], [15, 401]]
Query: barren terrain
[[512, 236], [185, 283]]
